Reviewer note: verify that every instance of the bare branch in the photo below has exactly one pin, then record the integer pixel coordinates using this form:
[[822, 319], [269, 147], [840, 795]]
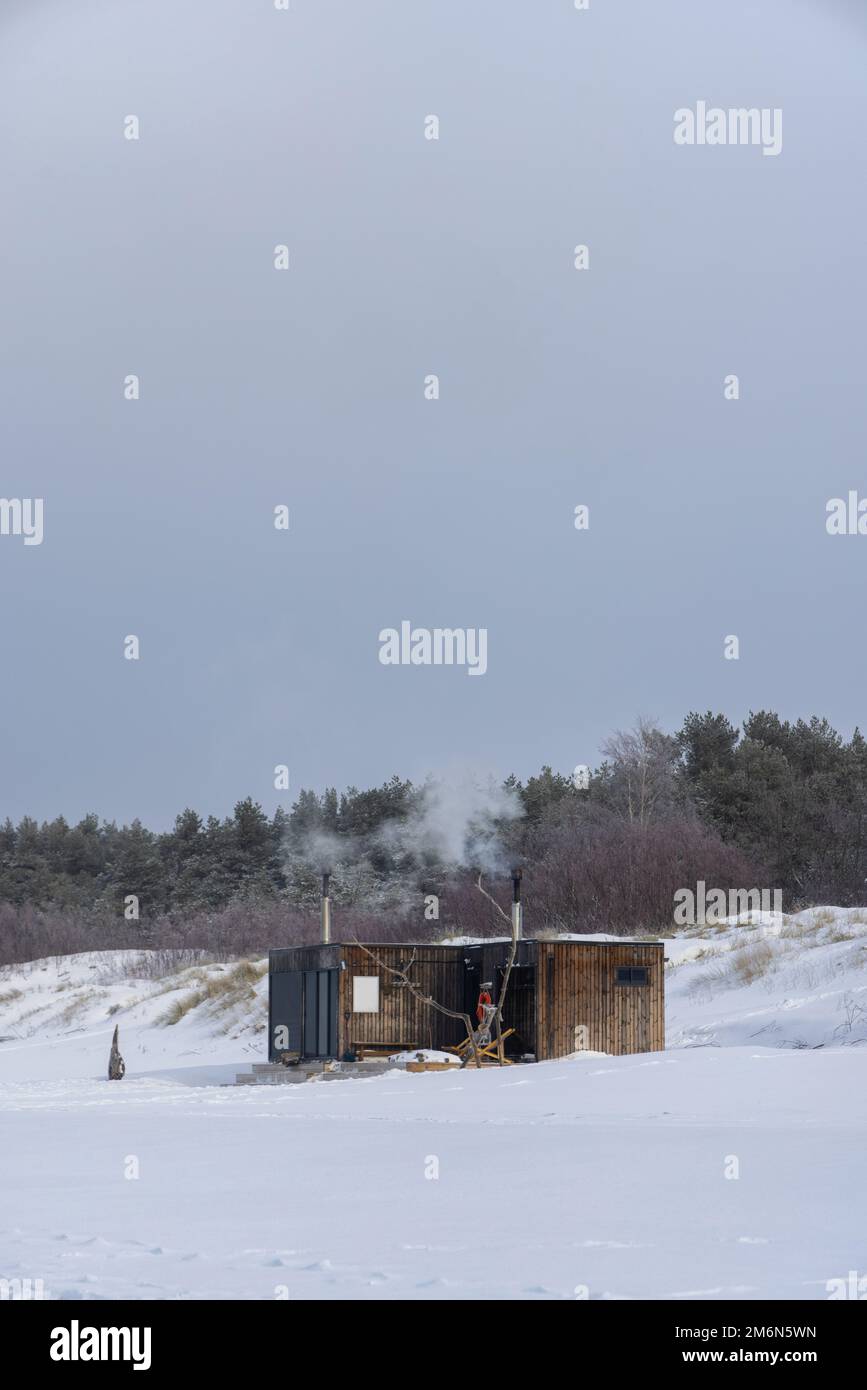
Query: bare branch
[[487, 895], [403, 976], [501, 1000]]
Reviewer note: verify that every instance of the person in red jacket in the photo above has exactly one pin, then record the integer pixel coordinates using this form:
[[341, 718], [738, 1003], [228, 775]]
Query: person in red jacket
[[484, 998]]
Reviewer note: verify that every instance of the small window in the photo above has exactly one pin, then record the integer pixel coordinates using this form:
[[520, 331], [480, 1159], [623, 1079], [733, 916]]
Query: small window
[[365, 994], [631, 975]]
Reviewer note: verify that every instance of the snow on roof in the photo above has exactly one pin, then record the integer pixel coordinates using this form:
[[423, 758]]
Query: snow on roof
[[591, 938]]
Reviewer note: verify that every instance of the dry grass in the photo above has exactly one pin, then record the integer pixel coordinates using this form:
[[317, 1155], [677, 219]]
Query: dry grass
[[823, 917], [77, 1006], [706, 953], [741, 966], [184, 979], [822, 930], [799, 931], [233, 986], [119, 1008], [9, 995], [750, 963], [838, 934], [31, 1013]]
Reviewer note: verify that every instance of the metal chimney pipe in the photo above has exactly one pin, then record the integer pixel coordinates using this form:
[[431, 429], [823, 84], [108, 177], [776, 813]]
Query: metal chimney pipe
[[517, 915], [326, 910]]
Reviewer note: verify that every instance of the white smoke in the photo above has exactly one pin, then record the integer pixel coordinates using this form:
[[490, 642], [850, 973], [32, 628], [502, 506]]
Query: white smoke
[[323, 849], [457, 822]]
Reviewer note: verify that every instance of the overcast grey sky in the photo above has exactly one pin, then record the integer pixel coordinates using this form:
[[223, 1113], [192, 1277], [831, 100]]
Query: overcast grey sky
[[409, 257]]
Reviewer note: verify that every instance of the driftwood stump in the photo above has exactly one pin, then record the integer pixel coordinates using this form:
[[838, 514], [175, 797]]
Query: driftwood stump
[[116, 1064]]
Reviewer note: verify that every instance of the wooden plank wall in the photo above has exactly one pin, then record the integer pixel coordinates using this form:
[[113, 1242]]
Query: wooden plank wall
[[403, 1020], [575, 986]]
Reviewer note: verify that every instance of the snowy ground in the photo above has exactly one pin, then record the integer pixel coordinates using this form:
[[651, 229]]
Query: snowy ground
[[596, 1177]]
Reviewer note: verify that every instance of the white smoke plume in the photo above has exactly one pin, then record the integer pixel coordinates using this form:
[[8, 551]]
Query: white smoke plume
[[457, 822]]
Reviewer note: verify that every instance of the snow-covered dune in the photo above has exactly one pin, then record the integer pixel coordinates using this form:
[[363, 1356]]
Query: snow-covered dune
[[797, 982], [731, 1165], [781, 981], [57, 1016]]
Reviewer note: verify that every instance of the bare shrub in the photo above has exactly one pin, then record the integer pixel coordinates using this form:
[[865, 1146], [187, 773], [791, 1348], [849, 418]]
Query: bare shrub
[[606, 874], [589, 870]]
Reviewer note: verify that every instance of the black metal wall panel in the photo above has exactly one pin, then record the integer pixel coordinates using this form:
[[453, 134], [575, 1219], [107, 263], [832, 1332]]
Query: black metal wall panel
[[311, 1011], [284, 1014], [322, 1029]]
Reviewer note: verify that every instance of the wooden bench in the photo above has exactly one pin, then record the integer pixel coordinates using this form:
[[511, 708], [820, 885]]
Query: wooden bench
[[374, 1049]]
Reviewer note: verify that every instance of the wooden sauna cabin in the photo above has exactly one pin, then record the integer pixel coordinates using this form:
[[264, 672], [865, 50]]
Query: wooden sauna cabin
[[333, 1000]]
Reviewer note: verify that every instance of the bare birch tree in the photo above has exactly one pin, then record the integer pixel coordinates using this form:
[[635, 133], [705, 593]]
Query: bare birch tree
[[640, 774], [513, 951]]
